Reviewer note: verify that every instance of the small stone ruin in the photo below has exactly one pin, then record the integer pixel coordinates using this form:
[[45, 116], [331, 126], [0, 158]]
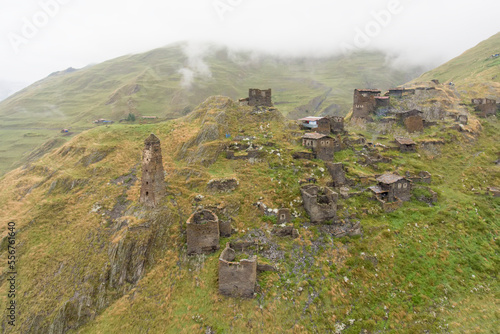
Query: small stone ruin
[[320, 203], [222, 185], [284, 216], [203, 233], [237, 279]]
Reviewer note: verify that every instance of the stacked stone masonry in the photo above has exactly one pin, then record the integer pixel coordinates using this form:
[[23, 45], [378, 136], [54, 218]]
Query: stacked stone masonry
[[236, 279], [202, 230], [153, 176]]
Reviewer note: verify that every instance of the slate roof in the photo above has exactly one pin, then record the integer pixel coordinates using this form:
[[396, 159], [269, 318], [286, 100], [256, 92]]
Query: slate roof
[[405, 141], [315, 135], [389, 178]]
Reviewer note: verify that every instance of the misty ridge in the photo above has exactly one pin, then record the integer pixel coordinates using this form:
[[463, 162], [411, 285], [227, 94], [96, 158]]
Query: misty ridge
[[419, 34]]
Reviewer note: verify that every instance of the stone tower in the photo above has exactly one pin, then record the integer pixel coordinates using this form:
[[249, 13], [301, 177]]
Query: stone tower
[[153, 177]]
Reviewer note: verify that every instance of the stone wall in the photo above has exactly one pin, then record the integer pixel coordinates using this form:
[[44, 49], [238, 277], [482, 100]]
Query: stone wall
[[486, 110], [203, 233], [323, 126], [337, 173], [153, 176], [304, 155], [336, 124], [320, 203], [414, 124], [236, 279], [401, 190]]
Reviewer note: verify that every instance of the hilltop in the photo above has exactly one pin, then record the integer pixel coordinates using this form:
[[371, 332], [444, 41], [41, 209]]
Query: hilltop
[[94, 260], [170, 82], [475, 73]]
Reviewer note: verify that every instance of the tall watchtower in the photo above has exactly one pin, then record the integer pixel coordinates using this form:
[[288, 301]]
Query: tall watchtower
[[153, 177]]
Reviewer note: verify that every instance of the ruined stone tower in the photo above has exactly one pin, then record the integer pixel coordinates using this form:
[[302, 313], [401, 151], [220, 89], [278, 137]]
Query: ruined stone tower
[[153, 177]]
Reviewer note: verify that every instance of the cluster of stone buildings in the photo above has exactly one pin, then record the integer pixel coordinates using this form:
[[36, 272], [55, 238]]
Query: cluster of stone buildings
[[204, 229], [321, 142]]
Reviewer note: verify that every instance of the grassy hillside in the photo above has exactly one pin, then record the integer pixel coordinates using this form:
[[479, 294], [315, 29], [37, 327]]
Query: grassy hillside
[[152, 83], [475, 73], [93, 260]]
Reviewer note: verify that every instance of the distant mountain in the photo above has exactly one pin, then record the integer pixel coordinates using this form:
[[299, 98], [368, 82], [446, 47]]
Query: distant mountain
[[476, 72], [169, 82]]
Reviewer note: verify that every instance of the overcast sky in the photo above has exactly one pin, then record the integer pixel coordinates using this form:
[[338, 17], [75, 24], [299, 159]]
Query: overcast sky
[[38, 37]]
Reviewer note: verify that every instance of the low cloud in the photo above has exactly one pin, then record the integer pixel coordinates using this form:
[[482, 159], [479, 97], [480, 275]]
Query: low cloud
[[195, 66]]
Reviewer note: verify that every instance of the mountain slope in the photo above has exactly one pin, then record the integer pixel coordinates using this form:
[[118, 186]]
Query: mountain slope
[[93, 260], [169, 82], [475, 72]]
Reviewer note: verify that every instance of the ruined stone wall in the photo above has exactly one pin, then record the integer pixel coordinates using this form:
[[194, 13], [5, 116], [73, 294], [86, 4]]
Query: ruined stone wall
[[337, 173], [222, 185], [260, 98], [203, 232], [304, 155], [320, 203], [486, 110], [153, 176], [407, 148], [236, 279]]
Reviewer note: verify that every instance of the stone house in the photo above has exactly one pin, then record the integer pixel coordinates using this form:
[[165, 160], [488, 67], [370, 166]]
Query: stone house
[[336, 124], [323, 146], [412, 120], [309, 123], [323, 126], [392, 187], [395, 92], [202, 230], [259, 98], [320, 203], [153, 176], [382, 101], [485, 107], [236, 279], [406, 145], [364, 103]]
